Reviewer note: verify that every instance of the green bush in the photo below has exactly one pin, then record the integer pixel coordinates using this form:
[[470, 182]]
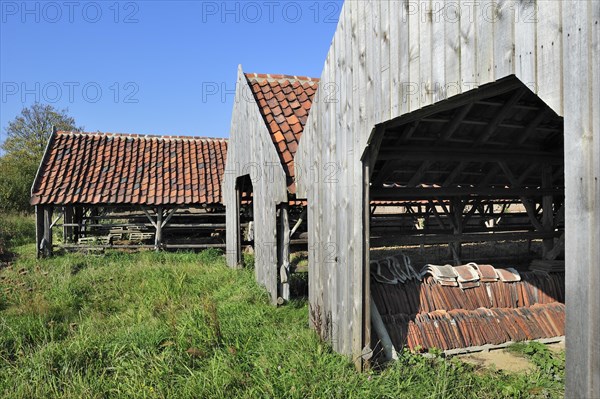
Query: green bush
[[16, 230]]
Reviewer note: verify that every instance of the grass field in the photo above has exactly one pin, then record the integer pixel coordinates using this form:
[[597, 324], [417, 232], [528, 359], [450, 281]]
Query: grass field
[[182, 325]]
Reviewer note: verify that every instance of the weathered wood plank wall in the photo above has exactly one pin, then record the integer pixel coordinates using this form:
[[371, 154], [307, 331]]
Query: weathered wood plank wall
[[251, 152], [388, 58], [581, 75]]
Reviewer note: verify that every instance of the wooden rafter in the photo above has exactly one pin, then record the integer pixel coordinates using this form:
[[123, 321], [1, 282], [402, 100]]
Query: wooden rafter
[[386, 170], [500, 116], [449, 129], [419, 174], [535, 122], [421, 153], [406, 193], [455, 173]]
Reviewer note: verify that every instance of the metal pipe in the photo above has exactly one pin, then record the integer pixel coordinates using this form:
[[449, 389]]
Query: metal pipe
[[384, 337]]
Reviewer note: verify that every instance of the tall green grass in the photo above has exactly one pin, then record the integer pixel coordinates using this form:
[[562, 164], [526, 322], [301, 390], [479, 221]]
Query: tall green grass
[[183, 325], [16, 229]]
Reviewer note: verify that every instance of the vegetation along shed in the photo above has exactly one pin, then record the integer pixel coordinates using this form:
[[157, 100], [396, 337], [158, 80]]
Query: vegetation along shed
[[130, 191], [268, 119], [464, 107]]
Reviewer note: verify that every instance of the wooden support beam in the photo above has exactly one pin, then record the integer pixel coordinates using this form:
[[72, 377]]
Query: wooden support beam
[[455, 173], [430, 239], [416, 179], [407, 193], [68, 225], [499, 117], [39, 230], [547, 209], [298, 223], [443, 153], [457, 207], [47, 236], [158, 226], [170, 214], [388, 168], [535, 122], [237, 225], [284, 253], [530, 208], [502, 86], [150, 218], [525, 174], [409, 131], [362, 302], [449, 129], [436, 214]]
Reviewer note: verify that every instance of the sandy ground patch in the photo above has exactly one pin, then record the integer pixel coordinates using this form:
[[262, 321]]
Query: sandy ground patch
[[500, 359]]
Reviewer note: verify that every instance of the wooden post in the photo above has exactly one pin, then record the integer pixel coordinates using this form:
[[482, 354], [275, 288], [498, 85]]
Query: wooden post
[[284, 253], [47, 236], [68, 217], [547, 209], [39, 230], [457, 207], [158, 226], [363, 363], [238, 224], [79, 220], [580, 32]]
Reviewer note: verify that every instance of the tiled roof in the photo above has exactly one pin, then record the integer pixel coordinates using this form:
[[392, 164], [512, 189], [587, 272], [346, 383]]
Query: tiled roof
[[105, 168], [284, 102], [426, 313]]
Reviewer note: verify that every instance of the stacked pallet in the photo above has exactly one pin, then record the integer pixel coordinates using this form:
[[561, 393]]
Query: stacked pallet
[[426, 313]]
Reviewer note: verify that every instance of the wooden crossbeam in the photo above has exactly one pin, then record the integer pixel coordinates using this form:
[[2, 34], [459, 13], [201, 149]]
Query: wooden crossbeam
[[420, 153], [419, 174], [500, 116], [490, 175], [437, 215], [525, 174], [407, 193], [502, 86], [409, 131], [451, 127], [535, 122], [385, 172], [455, 173], [149, 217]]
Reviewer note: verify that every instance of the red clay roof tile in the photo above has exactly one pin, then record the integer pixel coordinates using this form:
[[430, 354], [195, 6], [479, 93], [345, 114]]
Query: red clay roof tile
[[284, 102], [103, 168]]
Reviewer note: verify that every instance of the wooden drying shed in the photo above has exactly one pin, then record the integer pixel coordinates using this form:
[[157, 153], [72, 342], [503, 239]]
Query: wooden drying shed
[[130, 191], [268, 118], [426, 90]]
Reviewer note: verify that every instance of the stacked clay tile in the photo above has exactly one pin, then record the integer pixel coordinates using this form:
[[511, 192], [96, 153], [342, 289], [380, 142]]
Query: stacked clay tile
[[423, 313]]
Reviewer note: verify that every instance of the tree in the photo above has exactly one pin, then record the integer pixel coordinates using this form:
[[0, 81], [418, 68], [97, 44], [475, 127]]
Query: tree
[[26, 139]]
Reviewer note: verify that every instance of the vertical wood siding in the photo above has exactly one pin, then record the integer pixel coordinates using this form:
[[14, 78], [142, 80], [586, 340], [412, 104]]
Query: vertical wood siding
[[251, 151], [392, 57]]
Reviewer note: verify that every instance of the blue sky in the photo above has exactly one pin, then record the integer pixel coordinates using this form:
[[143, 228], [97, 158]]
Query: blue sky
[[160, 67]]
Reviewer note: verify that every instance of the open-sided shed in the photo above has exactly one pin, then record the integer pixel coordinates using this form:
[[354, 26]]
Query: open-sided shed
[[130, 191], [269, 115], [456, 102]]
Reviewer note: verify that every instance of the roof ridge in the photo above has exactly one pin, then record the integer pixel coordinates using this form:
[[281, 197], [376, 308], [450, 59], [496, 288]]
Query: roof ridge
[[280, 77], [141, 136]]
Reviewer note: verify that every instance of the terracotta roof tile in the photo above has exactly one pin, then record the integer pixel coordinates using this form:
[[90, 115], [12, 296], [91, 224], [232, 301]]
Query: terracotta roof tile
[[103, 168], [284, 102]]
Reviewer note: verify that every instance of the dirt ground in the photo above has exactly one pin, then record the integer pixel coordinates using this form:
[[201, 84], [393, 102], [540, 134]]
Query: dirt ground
[[502, 359]]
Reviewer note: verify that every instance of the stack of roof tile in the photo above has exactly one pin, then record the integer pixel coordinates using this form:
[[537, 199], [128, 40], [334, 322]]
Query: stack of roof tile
[[433, 313], [104, 168]]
